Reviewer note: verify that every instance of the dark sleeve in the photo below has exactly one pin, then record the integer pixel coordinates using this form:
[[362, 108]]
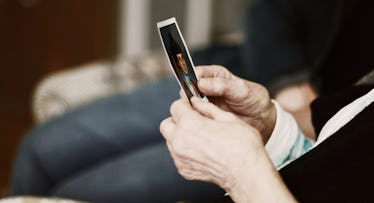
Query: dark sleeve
[[338, 169], [274, 52]]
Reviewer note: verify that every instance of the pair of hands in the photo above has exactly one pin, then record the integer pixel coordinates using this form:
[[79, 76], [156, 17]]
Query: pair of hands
[[222, 141]]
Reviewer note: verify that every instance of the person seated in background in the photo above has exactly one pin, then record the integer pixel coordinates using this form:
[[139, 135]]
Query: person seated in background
[[111, 150], [223, 142]]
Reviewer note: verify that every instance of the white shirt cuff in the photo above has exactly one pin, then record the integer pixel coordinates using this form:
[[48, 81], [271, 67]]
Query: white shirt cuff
[[286, 141]]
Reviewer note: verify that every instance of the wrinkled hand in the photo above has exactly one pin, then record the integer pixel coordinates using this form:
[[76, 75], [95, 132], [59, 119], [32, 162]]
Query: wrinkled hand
[[248, 100], [208, 144], [213, 145]]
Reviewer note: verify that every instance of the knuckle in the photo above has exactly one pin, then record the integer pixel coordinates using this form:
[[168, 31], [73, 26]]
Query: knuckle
[[173, 106], [163, 125], [242, 84], [224, 71], [220, 67]]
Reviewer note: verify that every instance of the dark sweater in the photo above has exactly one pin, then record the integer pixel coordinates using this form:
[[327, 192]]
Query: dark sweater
[[340, 169]]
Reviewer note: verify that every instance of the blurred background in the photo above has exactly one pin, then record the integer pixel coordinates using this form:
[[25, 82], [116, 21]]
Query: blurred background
[[44, 38]]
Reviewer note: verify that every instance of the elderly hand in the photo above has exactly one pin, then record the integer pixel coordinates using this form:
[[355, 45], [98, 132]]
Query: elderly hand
[[247, 100], [213, 145]]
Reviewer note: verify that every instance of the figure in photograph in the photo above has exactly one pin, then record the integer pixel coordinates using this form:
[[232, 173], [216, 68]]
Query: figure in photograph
[[183, 71]]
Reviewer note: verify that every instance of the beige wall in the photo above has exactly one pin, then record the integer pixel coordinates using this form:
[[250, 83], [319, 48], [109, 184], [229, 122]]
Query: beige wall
[[201, 21]]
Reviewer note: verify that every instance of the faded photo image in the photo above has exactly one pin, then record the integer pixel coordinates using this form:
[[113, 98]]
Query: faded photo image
[[179, 59]]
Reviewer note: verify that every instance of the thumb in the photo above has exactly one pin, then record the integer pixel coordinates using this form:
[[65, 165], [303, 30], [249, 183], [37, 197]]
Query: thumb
[[230, 88], [210, 110]]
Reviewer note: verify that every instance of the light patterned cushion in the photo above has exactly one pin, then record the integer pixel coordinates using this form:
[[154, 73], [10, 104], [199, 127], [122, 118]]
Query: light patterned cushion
[[66, 90]]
